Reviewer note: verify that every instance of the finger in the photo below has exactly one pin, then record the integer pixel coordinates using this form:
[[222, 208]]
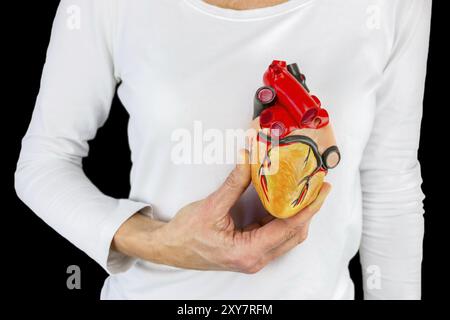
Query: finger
[[290, 244], [278, 231], [259, 223], [266, 219], [252, 226], [235, 184], [286, 246], [294, 240]]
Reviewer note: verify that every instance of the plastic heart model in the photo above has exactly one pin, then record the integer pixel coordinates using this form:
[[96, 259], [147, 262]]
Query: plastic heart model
[[293, 146]]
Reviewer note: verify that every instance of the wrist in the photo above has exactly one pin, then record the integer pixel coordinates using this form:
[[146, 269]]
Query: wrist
[[134, 237]]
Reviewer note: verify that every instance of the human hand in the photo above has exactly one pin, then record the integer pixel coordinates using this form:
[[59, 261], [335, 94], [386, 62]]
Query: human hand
[[203, 236]]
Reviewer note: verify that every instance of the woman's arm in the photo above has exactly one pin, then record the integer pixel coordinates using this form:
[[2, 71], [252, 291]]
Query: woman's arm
[[391, 247], [77, 87]]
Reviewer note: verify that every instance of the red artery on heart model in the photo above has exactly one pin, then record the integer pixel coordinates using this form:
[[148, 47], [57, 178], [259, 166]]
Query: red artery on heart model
[[293, 131], [294, 107]]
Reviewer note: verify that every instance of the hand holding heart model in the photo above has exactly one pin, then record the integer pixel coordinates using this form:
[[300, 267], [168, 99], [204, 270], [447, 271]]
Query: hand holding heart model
[[294, 145]]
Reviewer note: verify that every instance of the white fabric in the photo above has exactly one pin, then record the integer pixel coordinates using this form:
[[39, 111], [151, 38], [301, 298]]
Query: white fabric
[[177, 62]]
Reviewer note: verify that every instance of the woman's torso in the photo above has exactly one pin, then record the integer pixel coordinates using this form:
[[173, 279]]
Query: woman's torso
[[191, 69]]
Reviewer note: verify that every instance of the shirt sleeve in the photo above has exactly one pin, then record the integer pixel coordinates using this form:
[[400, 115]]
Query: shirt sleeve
[[74, 100], [393, 224]]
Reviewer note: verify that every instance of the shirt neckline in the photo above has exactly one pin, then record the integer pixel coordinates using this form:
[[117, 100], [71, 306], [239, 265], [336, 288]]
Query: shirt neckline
[[248, 14]]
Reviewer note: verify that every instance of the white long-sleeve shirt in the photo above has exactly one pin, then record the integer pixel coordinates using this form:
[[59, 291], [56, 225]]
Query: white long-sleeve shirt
[[181, 64]]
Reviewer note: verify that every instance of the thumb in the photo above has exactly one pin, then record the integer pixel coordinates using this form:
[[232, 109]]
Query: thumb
[[235, 184]]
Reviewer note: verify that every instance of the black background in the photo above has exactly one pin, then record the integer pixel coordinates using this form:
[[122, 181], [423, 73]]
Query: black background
[[37, 257]]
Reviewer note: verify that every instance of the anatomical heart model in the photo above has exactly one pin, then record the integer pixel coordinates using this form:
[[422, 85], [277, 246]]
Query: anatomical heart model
[[293, 144]]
